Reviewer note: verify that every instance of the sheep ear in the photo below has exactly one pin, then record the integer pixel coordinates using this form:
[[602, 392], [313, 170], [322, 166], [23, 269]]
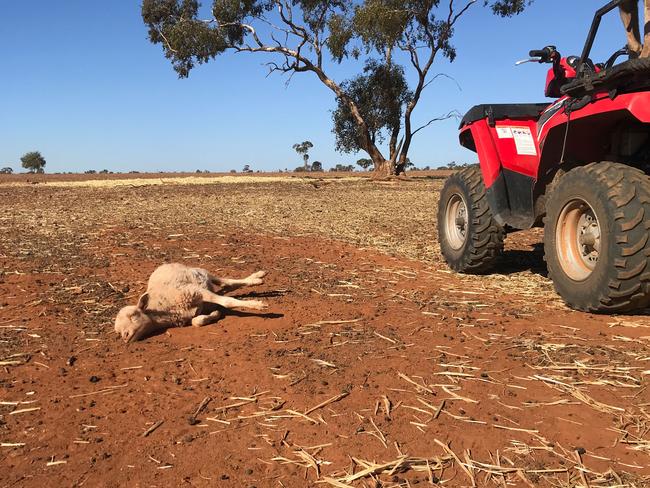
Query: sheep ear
[[143, 302]]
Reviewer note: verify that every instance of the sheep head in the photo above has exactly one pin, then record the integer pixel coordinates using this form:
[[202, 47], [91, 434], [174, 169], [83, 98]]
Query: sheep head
[[132, 323]]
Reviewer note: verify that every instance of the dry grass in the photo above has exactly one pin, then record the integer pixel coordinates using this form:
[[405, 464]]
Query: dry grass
[[395, 217], [48, 227], [168, 180]]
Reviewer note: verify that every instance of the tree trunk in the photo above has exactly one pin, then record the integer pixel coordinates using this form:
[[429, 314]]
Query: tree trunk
[[408, 137], [383, 169], [393, 143]]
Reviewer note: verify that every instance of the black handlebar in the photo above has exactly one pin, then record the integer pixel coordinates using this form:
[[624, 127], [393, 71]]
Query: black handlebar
[[546, 55]]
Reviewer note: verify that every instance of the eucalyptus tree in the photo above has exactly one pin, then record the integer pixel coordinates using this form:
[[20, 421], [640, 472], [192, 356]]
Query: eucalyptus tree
[[365, 163], [308, 36], [381, 94], [303, 150], [34, 162]]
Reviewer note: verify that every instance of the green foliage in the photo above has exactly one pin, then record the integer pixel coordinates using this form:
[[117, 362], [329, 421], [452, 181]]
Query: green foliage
[[34, 162], [343, 167], [6, 171], [380, 94], [383, 25], [317, 166], [341, 33], [186, 40], [380, 24], [303, 149], [316, 13], [231, 14], [365, 163], [508, 8], [299, 36]]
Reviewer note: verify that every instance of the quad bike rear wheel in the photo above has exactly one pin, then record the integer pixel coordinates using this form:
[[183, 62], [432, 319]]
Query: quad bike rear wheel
[[470, 239], [596, 238]]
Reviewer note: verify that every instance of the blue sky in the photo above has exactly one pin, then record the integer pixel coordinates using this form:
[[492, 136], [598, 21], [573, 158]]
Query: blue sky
[[81, 83]]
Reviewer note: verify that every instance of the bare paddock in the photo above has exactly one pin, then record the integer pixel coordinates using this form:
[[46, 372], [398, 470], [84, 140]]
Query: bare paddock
[[374, 365]]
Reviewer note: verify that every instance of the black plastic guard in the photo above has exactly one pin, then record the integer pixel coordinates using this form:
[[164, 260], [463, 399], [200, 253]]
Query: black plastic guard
[[498, 111], [511, 199]]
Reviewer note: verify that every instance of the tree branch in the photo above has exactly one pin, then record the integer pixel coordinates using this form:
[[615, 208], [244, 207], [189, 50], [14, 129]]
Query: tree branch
[[453, 114], [443, 75], [166, 41], [436, 43]]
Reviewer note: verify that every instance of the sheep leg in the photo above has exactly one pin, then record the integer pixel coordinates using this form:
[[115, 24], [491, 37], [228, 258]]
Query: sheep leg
[[229, 302], [630, 17], [646, 31], [202, 320], [232, 284]]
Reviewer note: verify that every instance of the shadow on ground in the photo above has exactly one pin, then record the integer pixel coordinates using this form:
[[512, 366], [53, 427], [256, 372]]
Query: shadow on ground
[[518, 261]]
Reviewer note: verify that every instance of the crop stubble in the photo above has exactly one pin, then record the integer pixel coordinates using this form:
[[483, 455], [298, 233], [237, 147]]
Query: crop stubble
[[385, 370]]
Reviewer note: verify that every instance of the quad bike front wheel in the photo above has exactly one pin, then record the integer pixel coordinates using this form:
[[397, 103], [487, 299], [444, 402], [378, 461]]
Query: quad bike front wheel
[[596, 238], [470, 239]]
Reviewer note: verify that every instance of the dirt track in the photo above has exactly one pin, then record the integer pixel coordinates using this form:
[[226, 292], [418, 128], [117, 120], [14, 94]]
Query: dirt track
[[373, 363]]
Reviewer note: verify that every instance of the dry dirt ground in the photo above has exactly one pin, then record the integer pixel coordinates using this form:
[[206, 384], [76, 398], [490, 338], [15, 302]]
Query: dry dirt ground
[[375, 366]]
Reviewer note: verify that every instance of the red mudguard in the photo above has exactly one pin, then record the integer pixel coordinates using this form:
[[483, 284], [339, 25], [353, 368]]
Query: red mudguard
[[516, 152], [509, 144]]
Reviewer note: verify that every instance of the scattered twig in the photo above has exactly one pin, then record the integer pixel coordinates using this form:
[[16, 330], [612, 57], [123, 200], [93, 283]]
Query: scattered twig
[[150, 430]]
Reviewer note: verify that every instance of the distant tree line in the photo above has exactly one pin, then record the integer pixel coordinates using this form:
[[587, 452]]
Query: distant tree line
[[33, 162], [366, 164], [454, 166], [343, 167]]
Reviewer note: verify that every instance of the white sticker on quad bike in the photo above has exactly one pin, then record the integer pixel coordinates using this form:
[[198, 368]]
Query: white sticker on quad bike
[[524, 141], [504, 133]]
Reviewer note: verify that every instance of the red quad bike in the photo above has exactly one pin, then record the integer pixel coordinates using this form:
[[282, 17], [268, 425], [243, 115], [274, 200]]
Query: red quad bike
[[578, 166]]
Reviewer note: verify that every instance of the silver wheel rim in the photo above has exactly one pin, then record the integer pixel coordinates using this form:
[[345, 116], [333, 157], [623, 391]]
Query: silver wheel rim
[[456, 222], [577, 239]]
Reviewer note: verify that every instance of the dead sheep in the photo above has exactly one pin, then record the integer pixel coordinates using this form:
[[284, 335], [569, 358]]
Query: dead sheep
[[177, 296]]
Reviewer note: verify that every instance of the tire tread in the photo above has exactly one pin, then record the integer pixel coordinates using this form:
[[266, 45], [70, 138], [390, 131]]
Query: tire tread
[[628, 191], [486, 239]]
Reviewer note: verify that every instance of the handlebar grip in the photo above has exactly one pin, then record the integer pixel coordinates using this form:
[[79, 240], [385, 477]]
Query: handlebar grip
[[538, 53]]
